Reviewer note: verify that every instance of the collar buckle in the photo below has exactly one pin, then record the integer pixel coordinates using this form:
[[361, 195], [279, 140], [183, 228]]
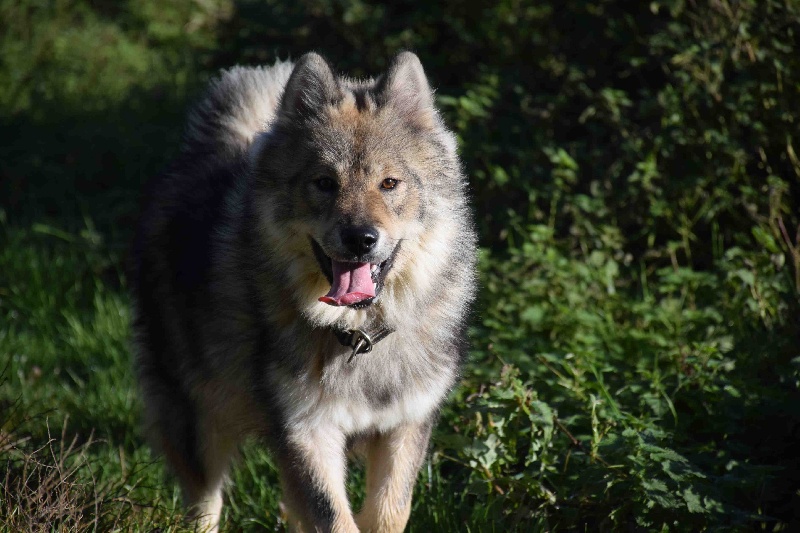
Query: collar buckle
[[360, 342]]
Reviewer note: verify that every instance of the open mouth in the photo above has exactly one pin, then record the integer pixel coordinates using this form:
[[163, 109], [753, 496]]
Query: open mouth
[[353, 284]]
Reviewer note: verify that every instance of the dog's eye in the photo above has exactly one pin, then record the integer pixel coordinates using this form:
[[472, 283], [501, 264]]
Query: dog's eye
[[325, 184], [389, 184]]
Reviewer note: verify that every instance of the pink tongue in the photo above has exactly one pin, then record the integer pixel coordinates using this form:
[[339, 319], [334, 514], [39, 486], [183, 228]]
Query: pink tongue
[[352, 283]]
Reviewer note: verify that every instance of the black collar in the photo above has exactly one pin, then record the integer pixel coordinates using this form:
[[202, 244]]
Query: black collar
[[360, 339]]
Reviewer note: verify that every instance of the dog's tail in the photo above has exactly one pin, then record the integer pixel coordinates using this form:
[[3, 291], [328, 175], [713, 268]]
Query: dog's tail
[[237, 105]]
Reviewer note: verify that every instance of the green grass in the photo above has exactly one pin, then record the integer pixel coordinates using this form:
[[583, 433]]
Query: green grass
[[71, 413], [633, 378], [634, 355]]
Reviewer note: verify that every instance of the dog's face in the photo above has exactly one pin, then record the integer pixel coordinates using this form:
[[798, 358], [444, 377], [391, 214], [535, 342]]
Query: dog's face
[[346, 173]]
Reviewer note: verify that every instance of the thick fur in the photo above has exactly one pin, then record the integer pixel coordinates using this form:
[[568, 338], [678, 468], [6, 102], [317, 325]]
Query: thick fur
[[231, 338]]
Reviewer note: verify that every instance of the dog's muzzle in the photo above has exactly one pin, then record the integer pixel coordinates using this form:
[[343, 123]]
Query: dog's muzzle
[[353, 284]]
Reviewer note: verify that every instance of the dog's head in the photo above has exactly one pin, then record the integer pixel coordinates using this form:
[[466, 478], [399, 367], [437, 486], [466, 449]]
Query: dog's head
[[348, 173]]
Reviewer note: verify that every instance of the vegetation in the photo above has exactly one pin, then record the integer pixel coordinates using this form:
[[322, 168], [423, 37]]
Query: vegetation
[[634, 359]]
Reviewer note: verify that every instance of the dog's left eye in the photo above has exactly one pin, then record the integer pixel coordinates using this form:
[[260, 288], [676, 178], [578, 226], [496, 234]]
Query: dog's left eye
[[389, 184], [325, 184]]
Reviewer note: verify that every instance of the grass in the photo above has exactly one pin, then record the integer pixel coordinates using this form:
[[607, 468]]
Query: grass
[[599, 407], [69, 403], [71, 444]]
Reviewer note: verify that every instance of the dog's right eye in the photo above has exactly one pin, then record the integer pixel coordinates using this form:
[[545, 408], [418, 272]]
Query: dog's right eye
[[325, 184]]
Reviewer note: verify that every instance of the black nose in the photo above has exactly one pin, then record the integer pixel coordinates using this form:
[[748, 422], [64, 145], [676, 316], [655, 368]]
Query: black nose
[[360, 240]]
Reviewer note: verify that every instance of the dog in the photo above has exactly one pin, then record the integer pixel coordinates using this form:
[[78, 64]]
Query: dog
[[303, 272]]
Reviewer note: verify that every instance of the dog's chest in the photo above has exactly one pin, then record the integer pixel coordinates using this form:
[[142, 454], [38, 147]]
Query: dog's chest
[[396, 383]]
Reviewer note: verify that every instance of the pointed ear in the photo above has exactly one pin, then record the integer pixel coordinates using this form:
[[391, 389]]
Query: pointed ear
[[311, 86], [405, 87]]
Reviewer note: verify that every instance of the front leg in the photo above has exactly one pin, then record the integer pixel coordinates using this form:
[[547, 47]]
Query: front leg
[[312, 468], [393, 460]]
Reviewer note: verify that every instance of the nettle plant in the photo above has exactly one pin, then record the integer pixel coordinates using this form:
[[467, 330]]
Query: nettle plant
[[600, 449]]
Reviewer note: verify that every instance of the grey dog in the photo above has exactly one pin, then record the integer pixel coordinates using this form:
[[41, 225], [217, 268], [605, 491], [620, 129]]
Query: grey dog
[[303, 272]]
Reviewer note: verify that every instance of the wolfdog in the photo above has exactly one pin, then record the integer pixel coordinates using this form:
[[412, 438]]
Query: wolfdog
[[302, 272]]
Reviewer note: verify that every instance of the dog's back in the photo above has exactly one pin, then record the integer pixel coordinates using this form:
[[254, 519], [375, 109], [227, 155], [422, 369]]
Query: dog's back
[[293, 183]]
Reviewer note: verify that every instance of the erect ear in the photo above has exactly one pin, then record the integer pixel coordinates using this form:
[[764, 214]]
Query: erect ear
[[311, 86], [405, 88]]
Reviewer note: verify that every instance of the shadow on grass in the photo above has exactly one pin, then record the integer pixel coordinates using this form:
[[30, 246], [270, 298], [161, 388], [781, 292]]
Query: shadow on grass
[[750, 433], [70, 167], [70, 182]]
